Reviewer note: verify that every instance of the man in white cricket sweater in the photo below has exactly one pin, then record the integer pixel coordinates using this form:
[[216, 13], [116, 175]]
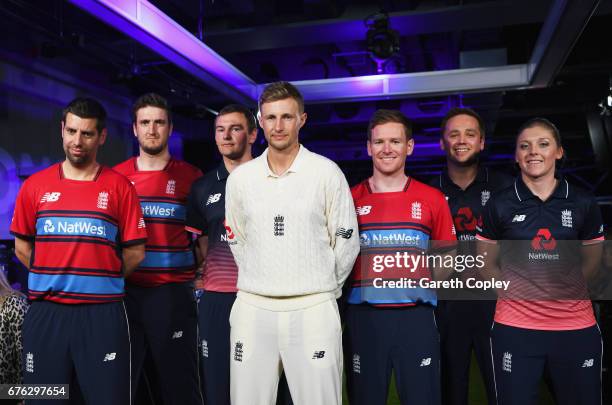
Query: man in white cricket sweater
[[292, 228]]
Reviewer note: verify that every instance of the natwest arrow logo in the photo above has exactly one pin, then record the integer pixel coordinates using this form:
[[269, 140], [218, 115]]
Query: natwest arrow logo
[[228, 230], [543, 240], [464, 220]]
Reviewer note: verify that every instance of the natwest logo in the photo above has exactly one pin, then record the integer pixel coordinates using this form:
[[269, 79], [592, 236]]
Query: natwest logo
[[543, 240], [73, 228], [158, 211], [464, 220]]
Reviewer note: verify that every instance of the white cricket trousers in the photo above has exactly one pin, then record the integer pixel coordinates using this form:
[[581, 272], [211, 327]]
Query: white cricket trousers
[[306, 342]]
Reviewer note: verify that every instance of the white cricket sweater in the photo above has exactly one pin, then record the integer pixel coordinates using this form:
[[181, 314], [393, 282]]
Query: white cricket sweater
[[294, 234]]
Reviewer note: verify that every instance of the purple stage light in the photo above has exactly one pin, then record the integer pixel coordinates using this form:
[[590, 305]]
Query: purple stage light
[[148, 25]]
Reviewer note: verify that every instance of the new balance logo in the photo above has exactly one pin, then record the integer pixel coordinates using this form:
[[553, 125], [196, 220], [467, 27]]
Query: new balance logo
[[213, 198], [425, 362], [50, 197], [518, 218], [110, 356], [507, 362], [318, 355], [588, 363], [29, 362], [177, 335], [344, 233], [238, 351], [363, 210]]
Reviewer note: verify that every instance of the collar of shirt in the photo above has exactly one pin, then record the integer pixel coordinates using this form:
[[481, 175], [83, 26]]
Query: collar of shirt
[[222, 172], [523, 193], [482, 176], [295, 167]]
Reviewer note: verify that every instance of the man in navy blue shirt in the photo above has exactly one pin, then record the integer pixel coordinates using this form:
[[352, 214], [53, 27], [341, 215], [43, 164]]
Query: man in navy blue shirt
[[464, 324]]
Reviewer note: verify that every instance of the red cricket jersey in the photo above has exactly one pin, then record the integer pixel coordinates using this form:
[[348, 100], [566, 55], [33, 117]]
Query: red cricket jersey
[[78, 229], [163, 197], [393, 223]]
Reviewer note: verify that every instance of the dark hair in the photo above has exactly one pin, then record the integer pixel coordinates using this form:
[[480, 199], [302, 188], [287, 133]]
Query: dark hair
[[238, 108], [544, 123], [151, 100], [86, 107], [385, 116], [453, 112], [280, 91]]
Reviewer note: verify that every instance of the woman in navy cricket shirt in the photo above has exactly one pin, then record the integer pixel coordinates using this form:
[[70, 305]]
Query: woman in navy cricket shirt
[[543, 235]]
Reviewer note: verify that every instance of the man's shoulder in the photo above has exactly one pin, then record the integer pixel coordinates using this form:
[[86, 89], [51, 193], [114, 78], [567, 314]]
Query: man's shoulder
[[44, 176], [425, 191], [360, 190], [320, 161], [185, 169], [205, 182], [125, 167], [112, 176], [247, 169]]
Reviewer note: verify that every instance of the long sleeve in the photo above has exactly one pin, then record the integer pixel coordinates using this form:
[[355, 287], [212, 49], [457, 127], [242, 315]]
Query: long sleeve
[[342, 225]]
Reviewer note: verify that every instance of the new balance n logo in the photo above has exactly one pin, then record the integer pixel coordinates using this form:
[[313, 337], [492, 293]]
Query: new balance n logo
[[363, 210], [177, 335], [318, 355], [110, 356], [588, 363], [518, 218], [425, 362], [50, 197], [213, 198], [344, 233]]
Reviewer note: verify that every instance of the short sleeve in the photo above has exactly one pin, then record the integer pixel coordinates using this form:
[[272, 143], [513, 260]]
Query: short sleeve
[[23, 224], [195, 221], [592, 227], [131, 223], [443, 227], [443, 234]]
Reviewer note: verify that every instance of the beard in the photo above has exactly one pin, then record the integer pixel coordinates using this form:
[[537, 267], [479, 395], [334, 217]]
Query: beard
[[78, 161], [153, 150]]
